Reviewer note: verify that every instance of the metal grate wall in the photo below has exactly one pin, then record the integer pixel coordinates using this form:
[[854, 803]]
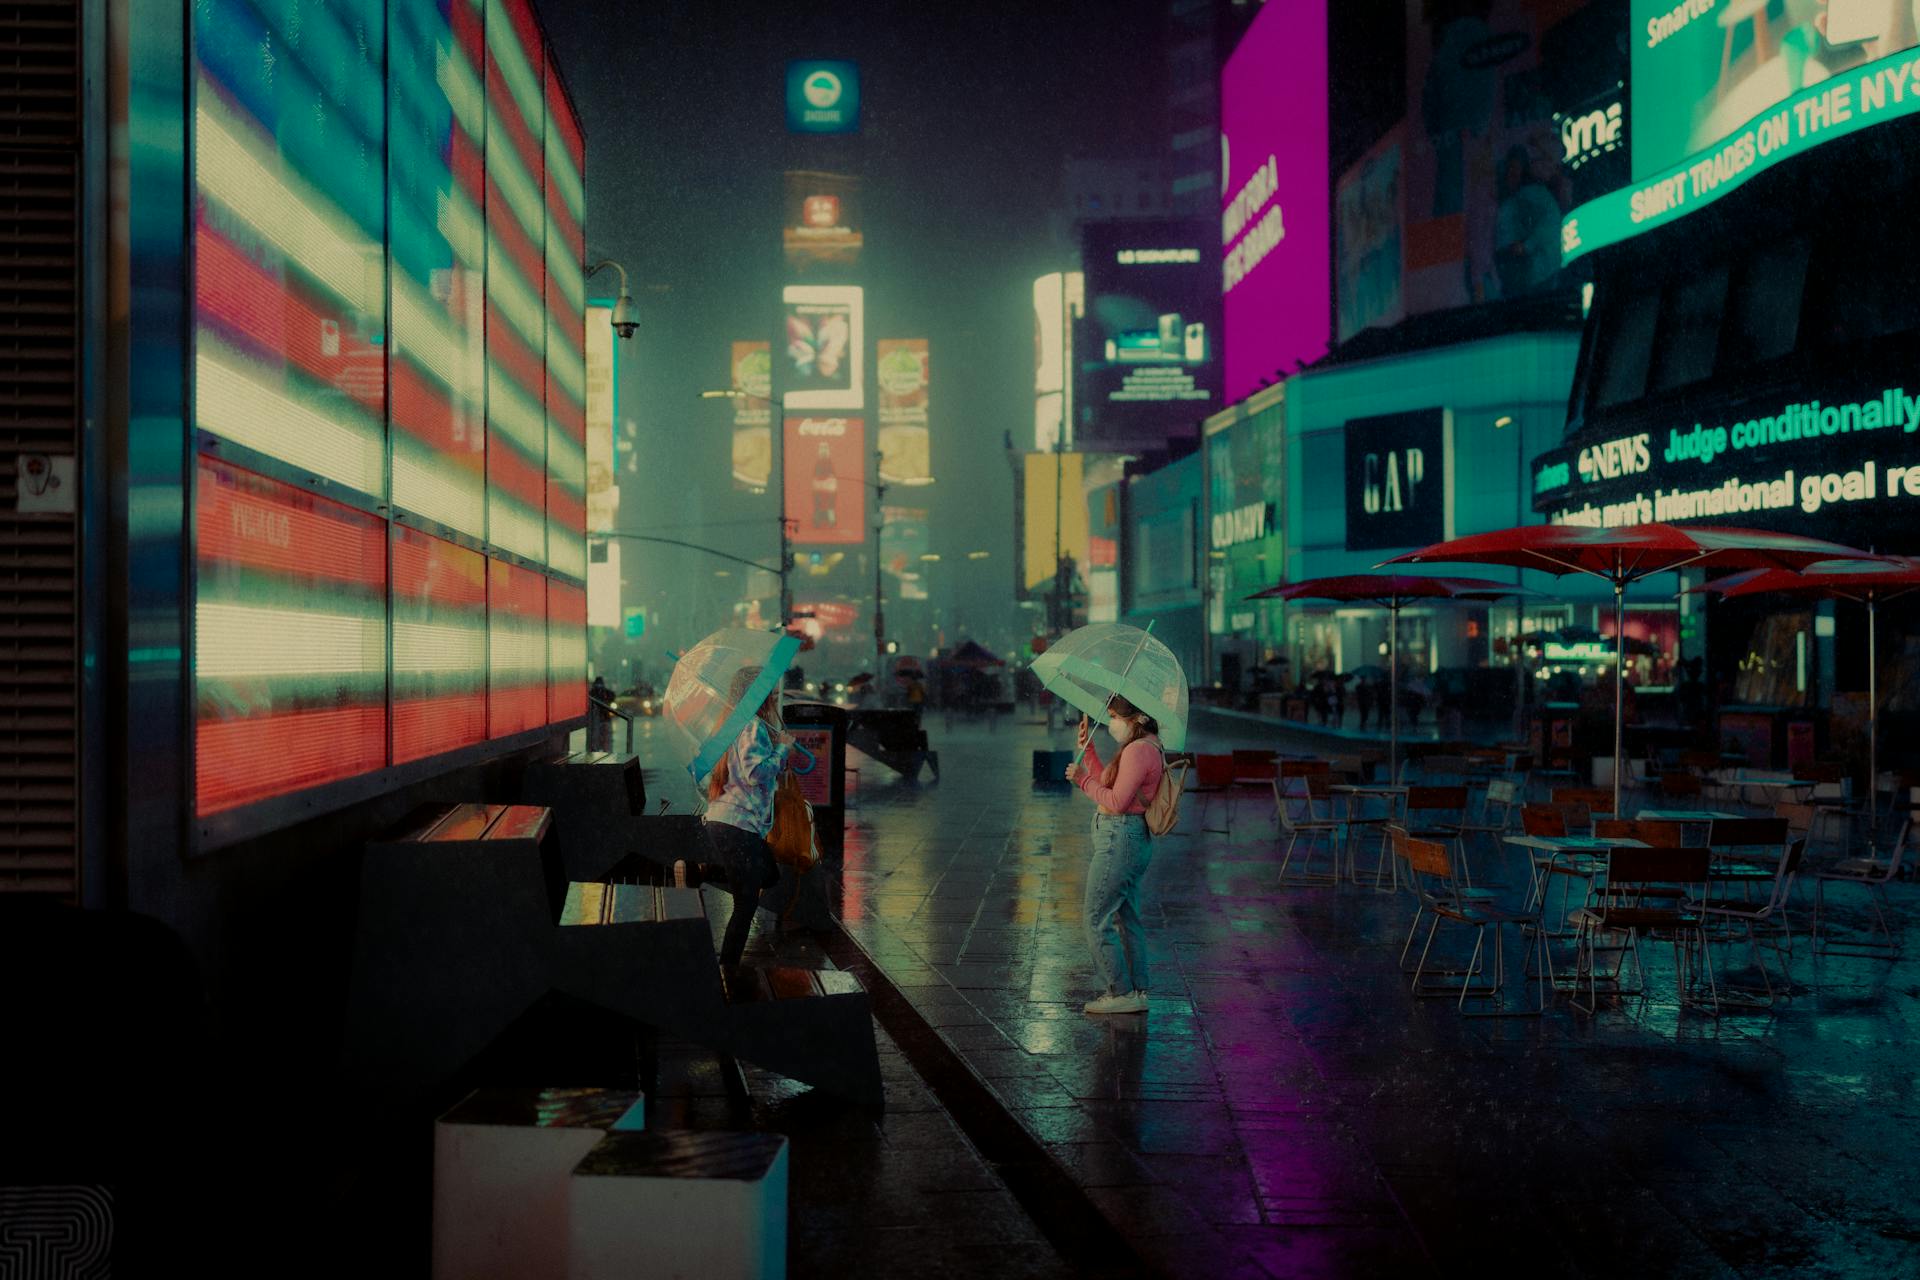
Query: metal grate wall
[[40, 137]]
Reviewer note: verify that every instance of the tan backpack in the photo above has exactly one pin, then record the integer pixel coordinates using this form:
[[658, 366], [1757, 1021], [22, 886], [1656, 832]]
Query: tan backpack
[[1163, 811]]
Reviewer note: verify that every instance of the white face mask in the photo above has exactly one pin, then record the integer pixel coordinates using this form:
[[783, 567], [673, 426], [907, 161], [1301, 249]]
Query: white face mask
[[1122, 730]]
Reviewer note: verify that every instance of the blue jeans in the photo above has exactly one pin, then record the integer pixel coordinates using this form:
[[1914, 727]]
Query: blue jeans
[[1121, 850]]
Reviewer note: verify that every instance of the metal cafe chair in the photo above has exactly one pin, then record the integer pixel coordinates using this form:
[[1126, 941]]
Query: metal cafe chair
[[1598, 800], [1396, 841], [1315, 824], [1292, 772], [1874, 875], [1447, 901], [1212, 776], [1431, 813], [1626, 907], [1771, 913]]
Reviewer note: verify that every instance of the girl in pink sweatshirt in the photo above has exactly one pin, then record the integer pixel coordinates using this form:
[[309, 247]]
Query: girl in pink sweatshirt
[[1122, 789]]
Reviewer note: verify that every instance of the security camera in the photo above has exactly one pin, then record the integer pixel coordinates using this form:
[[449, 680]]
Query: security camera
[[626, 316]]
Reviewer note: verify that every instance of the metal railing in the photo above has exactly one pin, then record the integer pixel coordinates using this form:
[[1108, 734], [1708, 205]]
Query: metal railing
[[611, 709]]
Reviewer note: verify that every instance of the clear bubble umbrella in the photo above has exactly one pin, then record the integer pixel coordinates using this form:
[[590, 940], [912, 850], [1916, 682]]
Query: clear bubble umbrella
[[717, 686], [1087, 667]]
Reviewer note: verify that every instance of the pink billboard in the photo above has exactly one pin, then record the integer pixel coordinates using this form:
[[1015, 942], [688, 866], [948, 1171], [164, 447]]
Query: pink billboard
[[1276, 242]]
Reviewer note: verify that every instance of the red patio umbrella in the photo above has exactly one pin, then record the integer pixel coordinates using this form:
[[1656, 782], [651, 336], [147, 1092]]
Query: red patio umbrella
[[1867, 582], [1391, 591], [1626, 555]]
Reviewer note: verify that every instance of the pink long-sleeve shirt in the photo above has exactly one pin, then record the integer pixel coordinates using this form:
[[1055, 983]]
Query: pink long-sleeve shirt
[[1135, 783]]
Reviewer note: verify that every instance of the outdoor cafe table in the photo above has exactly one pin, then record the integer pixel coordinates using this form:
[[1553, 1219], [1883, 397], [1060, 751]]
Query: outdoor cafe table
[[1354, 793], [1587, 853], [1773, 786]]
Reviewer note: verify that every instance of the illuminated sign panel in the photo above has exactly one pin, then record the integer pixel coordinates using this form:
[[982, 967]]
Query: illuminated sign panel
[[603, 373], [1059, 299], [826, 465], [438, 263], [289, 639], [825, 351], [517, 649], [566, 651], [1147, 355], [566, 381], [289, 224], [902, 369], [370, 268], [1276, 270], [1052, 493], [1397, 484], [823, 97], [439, 645], [751, 373], [1841, 465], [516, 281], [822, 220], [1723, 90]]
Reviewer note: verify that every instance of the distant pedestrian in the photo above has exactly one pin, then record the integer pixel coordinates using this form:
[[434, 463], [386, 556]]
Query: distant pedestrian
[[1363, 699], [1122, 789], [599, 715]]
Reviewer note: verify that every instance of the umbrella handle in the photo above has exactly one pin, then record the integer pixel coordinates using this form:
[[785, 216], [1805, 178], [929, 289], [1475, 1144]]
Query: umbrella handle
[[812, 759]]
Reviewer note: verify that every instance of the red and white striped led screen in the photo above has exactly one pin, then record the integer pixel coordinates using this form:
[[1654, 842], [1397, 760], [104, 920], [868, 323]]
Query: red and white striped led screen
[[388, 389]]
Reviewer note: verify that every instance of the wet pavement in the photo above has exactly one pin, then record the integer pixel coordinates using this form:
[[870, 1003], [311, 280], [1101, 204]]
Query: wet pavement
[[1287, 1108]]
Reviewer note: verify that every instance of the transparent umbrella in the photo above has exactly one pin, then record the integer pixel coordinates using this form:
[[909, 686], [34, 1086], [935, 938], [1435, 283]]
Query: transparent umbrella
[[1087, 667], [717, 686]]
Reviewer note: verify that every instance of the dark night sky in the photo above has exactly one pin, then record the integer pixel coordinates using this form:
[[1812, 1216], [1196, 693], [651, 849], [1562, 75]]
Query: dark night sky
[[969, 109]]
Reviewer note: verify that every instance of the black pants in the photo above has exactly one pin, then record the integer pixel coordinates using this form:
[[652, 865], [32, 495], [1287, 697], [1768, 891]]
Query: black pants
[[748, 864]]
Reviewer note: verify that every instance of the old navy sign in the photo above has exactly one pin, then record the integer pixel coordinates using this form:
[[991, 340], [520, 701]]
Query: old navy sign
[[1243, 524], [1397, 490]]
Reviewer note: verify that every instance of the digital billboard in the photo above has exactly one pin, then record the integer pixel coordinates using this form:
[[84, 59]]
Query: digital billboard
[[388, 308], [825, 347], [750, 372], [1059, 299], [1052, 502], [901, 371], [1485, 183], [603, 372], [826, 466], [1147, 354], [1839, 457], [823, 97], [1368, 214], [1276, 244], [1723, 90], [903, 541], [565, 254], [821, 222]]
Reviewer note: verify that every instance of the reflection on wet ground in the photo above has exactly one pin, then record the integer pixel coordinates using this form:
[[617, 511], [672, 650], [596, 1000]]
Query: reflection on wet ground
[[1287, 1108]]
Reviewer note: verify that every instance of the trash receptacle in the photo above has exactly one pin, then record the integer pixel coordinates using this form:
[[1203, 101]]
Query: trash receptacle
[[820, 728]]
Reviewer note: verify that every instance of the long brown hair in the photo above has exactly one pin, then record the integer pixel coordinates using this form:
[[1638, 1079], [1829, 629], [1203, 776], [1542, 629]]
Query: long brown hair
[[1144, 725]]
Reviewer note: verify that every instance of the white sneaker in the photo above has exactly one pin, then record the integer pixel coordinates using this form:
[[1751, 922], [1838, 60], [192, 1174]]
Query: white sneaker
[[1131, 1002]]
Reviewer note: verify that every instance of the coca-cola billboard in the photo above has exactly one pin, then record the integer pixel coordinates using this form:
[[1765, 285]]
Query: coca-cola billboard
[[826, 477]]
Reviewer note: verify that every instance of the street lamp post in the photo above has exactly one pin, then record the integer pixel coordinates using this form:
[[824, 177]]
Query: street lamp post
[[778, 479]]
